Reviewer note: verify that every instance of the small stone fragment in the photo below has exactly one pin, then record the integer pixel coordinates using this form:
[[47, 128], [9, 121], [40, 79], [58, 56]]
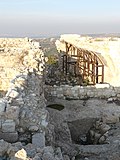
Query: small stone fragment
[[21, 154], [13, 94], [33, 128]]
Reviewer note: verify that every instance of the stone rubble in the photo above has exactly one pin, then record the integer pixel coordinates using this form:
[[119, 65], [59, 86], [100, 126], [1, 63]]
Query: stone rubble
[[17, 151], [98, 133], [23, 116]]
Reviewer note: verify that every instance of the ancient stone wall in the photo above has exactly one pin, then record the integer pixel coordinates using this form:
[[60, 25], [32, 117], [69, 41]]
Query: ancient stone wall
[[83, 92], [22, 109]]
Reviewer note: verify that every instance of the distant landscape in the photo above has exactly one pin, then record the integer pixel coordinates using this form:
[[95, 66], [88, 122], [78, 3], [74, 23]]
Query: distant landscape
[[48, 43]]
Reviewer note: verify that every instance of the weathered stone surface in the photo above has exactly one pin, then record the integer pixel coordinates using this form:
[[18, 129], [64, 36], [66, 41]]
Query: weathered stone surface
[[58, 154], [13, 148], [44, 123], [38, 140], [1, 120], [102, 86], [8, 126], [2, 106], [110, 118], [33, 128], [31, 150], [48, 149], [118, 95], [12, 112], [37, 157], [63, 132], [66, 157], [3, 147], [99, 151], [9, 137], [48, 156]]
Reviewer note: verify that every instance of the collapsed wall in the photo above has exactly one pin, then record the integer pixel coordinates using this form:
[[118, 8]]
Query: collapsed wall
[[108, 49], [22, 109]]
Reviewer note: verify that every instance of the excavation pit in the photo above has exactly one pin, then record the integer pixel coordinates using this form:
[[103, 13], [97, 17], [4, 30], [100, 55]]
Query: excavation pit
[[89, 131], [79, 129]]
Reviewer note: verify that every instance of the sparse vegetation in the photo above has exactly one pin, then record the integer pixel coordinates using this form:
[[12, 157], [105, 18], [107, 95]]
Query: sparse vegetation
[[52, 59]]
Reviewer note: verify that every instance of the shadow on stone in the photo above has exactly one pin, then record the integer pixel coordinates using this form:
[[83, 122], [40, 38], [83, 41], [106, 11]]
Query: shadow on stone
[[58, 107]]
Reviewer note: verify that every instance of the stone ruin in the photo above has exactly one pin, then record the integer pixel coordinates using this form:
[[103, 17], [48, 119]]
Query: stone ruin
[[23, 116], [86, 123], [43, 122]]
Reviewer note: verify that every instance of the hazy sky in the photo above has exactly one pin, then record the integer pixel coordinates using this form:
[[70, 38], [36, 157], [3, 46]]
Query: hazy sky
[[53, 17]]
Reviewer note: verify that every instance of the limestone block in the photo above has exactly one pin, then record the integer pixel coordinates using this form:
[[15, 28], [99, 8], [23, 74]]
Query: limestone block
[[38, 140], [3, 147], [13, 94], [83, 96], [104, 128], [110, 99], [82, 91], [48, 156], [60, 96], [66, 157], [44, 123], [31, 150], [48, 149], [1, 120], [2, 106], [66, 92], [36, 44], [91, 95], [118, 95], [53, 93], [20, 101], [113, 94], [102, 85], [58, 154], [108, 93], [110, 118], [12, 112], [8, 126], [20, 81], [9, 137]]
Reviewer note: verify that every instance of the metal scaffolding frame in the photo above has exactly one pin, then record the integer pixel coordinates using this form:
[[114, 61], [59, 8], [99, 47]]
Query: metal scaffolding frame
[[86, 63]]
